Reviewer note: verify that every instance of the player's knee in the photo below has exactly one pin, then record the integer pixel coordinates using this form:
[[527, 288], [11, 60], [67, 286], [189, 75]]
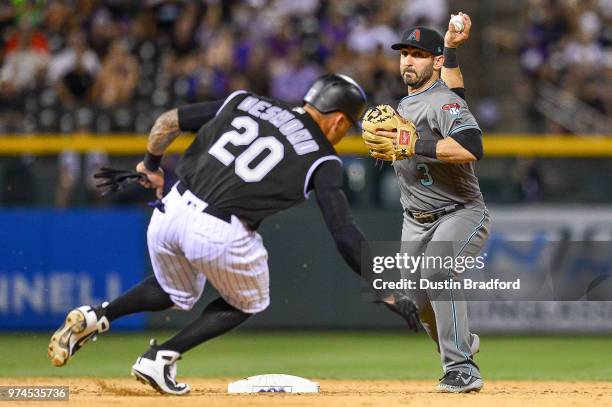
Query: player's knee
[[251, 301], [255, 307], [183, 304], [260, 306]]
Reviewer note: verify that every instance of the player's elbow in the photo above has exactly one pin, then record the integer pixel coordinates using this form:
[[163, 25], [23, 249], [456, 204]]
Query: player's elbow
[[470, 142], [344, 242], [348, 244], [348, 238], [167, 120], [475, 154], [463, 156], [343, 237]]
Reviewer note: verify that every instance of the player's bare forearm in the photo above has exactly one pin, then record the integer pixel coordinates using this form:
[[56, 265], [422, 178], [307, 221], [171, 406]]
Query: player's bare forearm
[[163, 133], [450, 151], [453, 77]]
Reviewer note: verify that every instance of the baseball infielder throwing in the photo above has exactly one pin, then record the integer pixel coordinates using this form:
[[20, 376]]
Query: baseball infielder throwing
[[444, 211]]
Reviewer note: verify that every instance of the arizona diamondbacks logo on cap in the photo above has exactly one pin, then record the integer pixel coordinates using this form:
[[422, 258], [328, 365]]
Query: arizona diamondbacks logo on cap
[[415, 35]]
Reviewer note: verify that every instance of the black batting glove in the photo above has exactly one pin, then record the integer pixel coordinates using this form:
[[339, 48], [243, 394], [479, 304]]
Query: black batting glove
[[115, 179]]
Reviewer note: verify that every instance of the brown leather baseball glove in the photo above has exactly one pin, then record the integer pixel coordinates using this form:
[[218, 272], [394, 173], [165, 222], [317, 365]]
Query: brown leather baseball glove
[[388, 148]]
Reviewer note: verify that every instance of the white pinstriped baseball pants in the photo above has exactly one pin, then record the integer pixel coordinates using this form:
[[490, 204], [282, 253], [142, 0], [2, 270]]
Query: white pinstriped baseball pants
[[188, 247]]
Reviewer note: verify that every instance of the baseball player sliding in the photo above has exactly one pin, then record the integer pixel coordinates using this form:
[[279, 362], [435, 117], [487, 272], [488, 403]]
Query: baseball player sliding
[[252, 157], [433, 155]]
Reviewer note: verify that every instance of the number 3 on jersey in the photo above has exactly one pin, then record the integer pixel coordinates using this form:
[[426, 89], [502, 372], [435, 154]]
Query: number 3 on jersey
[[246, 133], [426, 179]]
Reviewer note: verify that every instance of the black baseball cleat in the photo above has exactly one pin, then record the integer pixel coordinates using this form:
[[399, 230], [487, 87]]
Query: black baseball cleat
[[455, 381], [157, 368]]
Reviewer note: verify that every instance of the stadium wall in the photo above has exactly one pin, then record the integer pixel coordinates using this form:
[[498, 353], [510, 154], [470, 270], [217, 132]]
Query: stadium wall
[[56, 260]]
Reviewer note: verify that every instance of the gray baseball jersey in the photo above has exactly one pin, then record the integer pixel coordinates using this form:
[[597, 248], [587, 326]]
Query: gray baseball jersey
[[427, 183]]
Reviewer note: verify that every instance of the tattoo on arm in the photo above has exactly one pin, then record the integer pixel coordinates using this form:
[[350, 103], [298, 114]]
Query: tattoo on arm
[[163, 133]]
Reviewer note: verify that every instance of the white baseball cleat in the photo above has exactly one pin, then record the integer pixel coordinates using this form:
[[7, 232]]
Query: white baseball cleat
[[157, 368], [81, 325]]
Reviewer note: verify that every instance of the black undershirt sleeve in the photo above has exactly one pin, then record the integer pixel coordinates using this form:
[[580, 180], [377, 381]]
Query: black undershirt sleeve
[[471, 140], [327, 184], [459, 92], [192, 117]]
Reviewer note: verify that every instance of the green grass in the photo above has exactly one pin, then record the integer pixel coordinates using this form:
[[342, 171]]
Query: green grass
[[341, 355]]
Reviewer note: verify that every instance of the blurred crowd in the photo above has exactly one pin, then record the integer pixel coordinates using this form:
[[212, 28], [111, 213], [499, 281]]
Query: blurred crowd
[[566, 53], [114, 65], [563, 51], [87, 65]]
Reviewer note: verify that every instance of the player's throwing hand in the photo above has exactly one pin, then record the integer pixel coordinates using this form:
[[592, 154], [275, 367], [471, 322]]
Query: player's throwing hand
[[454, 38]]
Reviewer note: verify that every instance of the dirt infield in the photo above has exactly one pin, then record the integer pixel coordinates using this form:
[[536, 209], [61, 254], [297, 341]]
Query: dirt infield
[[91, 392]]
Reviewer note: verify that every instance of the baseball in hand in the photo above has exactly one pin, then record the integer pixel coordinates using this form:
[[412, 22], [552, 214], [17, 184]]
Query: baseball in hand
[[457, 22]]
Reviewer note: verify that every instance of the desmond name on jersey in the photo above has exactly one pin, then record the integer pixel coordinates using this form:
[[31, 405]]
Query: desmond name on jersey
[[291, 127]]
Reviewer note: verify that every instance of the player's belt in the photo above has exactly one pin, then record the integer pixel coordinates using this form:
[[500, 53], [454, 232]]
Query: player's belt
[[211, 210], [434, 215]]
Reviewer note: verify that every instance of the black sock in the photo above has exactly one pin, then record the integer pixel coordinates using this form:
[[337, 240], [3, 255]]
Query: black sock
[[146, 296], [217, 318]]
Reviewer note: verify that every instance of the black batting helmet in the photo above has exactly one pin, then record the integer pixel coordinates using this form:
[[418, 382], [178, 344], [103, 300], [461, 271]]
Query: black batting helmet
[[337, 93]]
